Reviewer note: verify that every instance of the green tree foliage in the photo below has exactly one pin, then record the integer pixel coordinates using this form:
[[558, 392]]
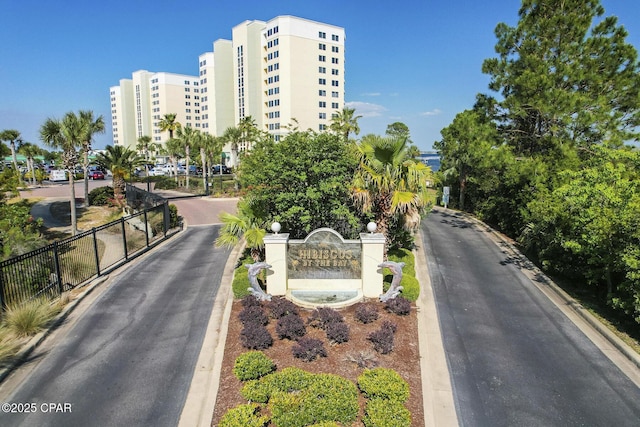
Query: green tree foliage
[[11, 136], [302, 182], [120, 161], [345, 122], [19, 231], [592, 222], [546, 162], [94, 126], [391, 185], [67, 134]]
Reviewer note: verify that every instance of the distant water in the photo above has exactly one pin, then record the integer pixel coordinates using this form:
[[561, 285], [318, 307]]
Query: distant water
[[433, 163]]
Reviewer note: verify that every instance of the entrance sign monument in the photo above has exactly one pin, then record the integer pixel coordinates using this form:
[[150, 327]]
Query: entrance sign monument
[[324, 269]]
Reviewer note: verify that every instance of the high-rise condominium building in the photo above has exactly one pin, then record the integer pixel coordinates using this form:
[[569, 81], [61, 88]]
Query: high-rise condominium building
[[284, 72]]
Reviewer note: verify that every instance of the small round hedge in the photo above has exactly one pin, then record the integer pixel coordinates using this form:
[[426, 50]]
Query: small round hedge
[[253, 365], [329, 397], [383, 412], [244, 416], [383, 383], [101, 196]]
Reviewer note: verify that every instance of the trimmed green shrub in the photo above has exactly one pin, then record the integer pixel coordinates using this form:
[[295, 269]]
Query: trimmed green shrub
[[406, 256], [101, 196], [165, 183], [409, 283], [253, 365], [385, 413], [328, 398], [240, 284], [410, 287], [288, 380], [383, 383], [325, 424], [244, 416], [257, 390]]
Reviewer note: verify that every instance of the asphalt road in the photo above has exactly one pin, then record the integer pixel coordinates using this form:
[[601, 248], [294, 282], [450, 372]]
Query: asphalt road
[[514, 358], [129, 359]]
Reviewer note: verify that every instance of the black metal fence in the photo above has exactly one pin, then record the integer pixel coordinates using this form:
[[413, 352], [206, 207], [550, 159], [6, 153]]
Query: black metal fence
[[63, 265]]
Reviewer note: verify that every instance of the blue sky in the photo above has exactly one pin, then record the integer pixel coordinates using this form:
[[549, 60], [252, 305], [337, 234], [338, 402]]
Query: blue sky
[[417, 62]]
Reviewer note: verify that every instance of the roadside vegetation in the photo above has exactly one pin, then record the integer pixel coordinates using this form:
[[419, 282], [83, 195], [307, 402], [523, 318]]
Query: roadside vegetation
[[551, 156], [20, 322]]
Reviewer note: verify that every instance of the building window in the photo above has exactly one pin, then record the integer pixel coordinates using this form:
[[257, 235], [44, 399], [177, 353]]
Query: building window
[[335, 94], [335, 37], [334, 60], [322, 81], [322, 116], [334, 105], [322, 70], [322, 35], [322, 46], [322, 58], [322, 104], [334, 49], [335, 83], [322, 92], [334, 72]]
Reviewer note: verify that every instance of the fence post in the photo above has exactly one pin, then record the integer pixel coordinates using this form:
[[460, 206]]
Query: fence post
[[56, 261], [95, 250], [146, 224], [167, 219], [124, 238], [3, 303]]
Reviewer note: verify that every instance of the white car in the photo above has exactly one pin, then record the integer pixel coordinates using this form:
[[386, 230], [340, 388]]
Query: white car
[[171, 170], [157, 171]]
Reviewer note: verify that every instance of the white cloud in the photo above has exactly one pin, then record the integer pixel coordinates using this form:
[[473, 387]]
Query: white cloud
[[371, 94], [366, 109], [434, 112]]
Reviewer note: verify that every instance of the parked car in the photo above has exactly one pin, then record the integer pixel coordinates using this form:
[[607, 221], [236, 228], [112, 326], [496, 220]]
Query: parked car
[[157, 171], [96, 174], [171, 170], [216, 169]]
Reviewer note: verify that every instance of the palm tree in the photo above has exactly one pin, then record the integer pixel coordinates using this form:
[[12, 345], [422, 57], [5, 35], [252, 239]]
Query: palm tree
[[243, 225], [67, 134], [188, 138], [93, 127], [249, 130], [173, 148], [11, 136], [344, 122], [143, 146], [209, 147], [168, 122], [233, 137], [120, 161], [30, 151], [390, 183]]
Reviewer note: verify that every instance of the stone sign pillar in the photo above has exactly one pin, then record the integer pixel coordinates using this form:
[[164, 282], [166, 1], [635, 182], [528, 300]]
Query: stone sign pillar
[[324, 268], [275, 247], [372, 255]]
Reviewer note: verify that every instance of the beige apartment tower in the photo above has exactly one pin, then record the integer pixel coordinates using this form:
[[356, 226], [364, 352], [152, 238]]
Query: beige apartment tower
[[284, 73]]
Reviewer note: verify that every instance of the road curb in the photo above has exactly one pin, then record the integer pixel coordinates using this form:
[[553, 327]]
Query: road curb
[[437, 392]]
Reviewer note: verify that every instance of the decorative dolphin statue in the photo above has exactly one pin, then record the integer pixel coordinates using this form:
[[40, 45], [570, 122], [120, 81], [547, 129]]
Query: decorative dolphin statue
[[395, 288], [255, 289]]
